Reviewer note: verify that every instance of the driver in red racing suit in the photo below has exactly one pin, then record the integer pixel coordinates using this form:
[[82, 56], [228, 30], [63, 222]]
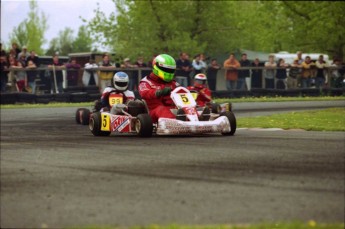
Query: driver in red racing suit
[[156, 87], [200, 86]]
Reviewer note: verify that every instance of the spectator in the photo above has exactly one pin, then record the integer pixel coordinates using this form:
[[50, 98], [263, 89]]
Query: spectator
[[281, 74], [72, 72], [133, 78], [19, 76], [270, 71], [90, 76], [320, 78], [231, 74], [243, 74], [212, 71], [15, 50], [140, 64], [3, 73], [306, 72], [294, 74], [56, 76], [299, 57], [31, 76], [337, 75], [198, 65], [34, 58], [183, 69], [22, 60], [256, 79], [3, 52], [24, 53], [106, 73]]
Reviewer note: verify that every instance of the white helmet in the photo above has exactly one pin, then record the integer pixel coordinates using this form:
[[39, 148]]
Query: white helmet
[[200, 80], [120, 81]]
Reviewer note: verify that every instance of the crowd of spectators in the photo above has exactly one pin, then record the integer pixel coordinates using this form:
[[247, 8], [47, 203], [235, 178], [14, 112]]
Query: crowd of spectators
[[270, 74]]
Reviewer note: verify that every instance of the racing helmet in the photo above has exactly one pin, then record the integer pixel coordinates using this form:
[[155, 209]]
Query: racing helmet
[[200, 80], [164, 67], [120, 81]]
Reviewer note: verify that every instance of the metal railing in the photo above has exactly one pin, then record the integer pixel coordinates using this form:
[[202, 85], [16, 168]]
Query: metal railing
[[333, 77]]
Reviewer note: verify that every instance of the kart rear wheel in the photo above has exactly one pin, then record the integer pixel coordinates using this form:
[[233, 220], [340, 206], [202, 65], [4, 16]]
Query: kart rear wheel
[[215, 108], [143, 125], [82, 116], [232, 121], [95, 125]]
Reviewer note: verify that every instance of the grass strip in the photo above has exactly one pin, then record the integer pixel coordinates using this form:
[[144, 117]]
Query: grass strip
[[332, 119], [284, 225]]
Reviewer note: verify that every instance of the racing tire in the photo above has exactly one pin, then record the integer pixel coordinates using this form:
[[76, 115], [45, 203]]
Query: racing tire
[[232, 120], [215, 108], [82, 116], [95, 125], [143, 125]]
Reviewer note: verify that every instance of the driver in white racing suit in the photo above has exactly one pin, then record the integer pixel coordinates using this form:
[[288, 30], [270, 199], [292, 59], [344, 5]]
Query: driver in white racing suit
[[120, 84]]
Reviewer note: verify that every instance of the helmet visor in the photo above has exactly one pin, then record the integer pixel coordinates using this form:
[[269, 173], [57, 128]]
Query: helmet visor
[[201, 82], [165, 69], [121, 84]]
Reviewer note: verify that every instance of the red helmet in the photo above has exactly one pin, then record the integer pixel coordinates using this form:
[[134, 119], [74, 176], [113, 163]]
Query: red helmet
[[200, 80]]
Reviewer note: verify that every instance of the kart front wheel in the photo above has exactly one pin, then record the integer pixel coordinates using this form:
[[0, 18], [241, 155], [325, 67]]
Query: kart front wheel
[[82, 116], [143, 125], [232, 121], [95, 125]]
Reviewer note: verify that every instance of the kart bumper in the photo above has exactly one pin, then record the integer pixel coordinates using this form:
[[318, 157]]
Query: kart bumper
[[168, 126]]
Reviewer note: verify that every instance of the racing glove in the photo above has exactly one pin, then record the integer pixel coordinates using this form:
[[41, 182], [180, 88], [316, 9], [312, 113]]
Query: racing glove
[[163, 92]]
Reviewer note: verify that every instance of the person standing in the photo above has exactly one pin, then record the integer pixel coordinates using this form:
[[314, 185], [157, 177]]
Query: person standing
[[31, 76], [270, 69], [294, 74], [72, 73], [256, 77], [3, 72], [183, 70], [231, 73], [56, 76], [212, 71], [281, 74], [320, 78], [306, 72], [198, 64], [90, 75], [243, 73], [106, 72]]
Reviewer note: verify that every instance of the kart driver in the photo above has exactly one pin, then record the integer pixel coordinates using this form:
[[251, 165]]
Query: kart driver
[[120, 85], [156, 87], [200, 86]]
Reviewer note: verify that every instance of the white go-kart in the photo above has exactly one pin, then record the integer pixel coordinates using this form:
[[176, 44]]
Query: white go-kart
[[193, 120]]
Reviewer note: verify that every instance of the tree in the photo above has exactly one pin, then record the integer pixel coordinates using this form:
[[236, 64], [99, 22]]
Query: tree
[[63, 44], [83, 41], [31, 31], [216, 27]]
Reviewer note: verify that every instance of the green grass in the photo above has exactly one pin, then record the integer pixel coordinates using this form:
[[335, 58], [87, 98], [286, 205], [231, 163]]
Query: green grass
[[293, 225], [279, 99], [332, 119]]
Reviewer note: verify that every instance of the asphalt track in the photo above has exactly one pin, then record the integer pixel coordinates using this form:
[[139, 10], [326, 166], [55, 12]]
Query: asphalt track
[[55, 174]]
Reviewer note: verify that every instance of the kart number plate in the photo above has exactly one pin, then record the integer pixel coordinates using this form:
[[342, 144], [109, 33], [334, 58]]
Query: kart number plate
[[115, 99], [105, 122], [185, 99]]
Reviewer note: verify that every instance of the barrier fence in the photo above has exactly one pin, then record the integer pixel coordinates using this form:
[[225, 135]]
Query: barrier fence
[[46, 82]]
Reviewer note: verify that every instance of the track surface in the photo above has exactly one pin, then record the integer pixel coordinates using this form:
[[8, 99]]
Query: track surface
[[55, 174]]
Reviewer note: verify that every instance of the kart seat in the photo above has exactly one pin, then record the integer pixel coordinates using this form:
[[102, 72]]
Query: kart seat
[[136, 107]]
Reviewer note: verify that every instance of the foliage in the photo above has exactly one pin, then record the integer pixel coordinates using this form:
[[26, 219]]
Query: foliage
[[63, 44], [83, 41], [31, 31], [214, 27], [332, 119]]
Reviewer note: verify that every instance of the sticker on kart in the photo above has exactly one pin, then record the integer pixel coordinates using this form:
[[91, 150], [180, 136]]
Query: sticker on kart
[[120, 123], [115, 99]]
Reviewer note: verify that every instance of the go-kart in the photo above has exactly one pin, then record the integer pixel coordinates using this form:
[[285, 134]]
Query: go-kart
[[132, 117], [193, 120]]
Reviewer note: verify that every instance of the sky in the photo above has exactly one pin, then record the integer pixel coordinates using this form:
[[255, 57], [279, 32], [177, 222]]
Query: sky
[[60, 14]]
